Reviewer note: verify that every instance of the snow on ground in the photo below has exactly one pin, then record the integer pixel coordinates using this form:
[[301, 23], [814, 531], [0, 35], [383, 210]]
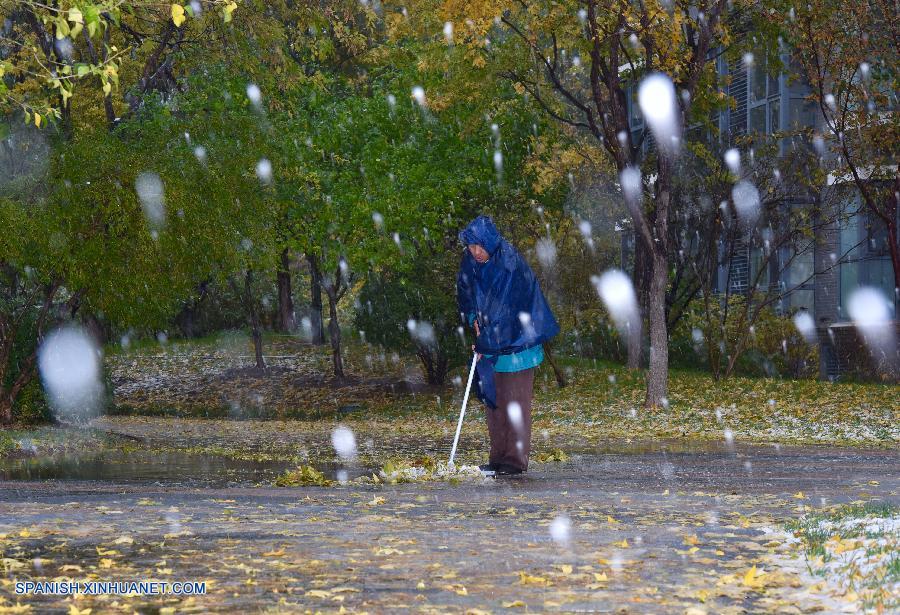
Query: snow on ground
[[847, 563]]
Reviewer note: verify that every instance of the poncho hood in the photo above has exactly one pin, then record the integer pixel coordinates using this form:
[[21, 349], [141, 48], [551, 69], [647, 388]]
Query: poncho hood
[[481, 231]]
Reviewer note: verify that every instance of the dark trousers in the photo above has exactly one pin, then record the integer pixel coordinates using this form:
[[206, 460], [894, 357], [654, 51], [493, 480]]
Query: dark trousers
[[511, 439]]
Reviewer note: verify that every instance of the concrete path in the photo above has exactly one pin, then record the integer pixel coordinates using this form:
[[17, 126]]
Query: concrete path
[[630, 528]]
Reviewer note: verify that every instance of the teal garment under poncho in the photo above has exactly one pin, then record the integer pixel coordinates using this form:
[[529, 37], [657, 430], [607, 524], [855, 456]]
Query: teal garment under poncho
[[517, 361]]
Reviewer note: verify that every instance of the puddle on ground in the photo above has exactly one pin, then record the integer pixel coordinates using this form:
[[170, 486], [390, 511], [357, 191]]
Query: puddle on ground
[[157, 467], [175, 468]]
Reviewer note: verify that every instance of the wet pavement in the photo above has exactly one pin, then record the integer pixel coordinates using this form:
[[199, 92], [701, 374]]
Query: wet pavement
[[144, 467], [620, 527]]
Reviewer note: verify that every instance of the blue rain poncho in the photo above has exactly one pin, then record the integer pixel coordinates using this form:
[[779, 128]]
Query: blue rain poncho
[[506, 299]]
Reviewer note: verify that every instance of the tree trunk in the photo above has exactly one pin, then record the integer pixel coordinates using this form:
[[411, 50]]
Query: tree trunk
[[334, 333], [658, 375], [634, 344], [895, 252], [255, 329], [5, 409], [643, 264], [560, 376], [435, 363], [443, 362], [286, 322], [26, 366], [318, 330], [9, 394]]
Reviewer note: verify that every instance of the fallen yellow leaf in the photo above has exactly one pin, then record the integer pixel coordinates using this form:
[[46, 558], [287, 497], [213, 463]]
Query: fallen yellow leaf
[[753, 578], [318, 593], [527, 579], [388, 551], [457, 589]]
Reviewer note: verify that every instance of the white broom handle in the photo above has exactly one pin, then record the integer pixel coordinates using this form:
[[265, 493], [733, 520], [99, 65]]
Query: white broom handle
[[462, 412]]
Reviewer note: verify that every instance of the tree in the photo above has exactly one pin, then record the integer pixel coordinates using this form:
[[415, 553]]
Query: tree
[[374, 178], [580, 64], [848, 54], [226, 160], [285, 320], [50, 49], [77, 238], [745, 262]]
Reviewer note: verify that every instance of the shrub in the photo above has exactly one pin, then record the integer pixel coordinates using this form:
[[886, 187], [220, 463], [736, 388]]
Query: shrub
[[727, 344], [30, 405], [414, 311], [595, 336]]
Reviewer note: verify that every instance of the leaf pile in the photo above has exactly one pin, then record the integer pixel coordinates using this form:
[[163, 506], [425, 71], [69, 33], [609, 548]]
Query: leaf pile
[[557, 455], [303, 475], [426, 469]]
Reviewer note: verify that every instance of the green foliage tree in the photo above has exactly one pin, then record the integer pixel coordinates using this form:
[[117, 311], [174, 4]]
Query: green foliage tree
[[88, 241], [117, 52], [377, 177], [81, 241]]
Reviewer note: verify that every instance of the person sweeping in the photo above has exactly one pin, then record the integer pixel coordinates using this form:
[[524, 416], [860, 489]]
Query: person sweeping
[[499, 297]]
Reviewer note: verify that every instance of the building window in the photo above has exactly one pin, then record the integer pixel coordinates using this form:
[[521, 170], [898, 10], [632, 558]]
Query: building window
[[800, 280], [774, 114], [876, 236], [866, 261], [764, 104], [758, 120], [758, 80]]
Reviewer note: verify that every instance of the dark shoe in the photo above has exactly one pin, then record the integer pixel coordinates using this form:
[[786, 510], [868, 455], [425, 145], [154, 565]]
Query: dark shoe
[[507, 470], [488, 470]]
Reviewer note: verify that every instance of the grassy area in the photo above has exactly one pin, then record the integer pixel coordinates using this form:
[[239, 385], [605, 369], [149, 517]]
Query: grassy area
[[48, 440], [204, 379], [855, 550], [608, 398]]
